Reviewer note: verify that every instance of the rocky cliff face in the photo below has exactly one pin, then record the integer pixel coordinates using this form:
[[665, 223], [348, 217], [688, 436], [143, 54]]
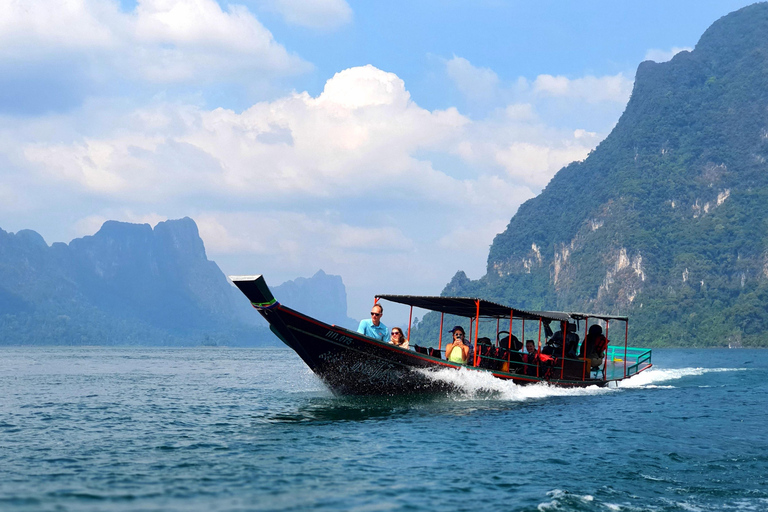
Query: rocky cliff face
[[665, 220], [321, 296], [132, 284], [128, 283]]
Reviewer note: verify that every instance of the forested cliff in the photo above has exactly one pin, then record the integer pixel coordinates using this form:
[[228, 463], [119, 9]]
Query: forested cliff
[[667, 219], [131, 284]]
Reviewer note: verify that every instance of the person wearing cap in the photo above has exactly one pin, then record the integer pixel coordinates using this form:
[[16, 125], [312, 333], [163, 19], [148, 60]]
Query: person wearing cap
[[373, 328], [457, 351]]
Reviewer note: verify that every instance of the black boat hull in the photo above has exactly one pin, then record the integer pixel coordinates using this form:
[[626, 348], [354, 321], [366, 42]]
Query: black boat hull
[[352, 364]]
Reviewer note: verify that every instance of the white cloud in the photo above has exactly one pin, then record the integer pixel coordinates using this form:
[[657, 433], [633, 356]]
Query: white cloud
[[38, 25], [320, 14], [356, 177], [267, 233], [520, 112], [164, 41], [536, 164], [665, 55], [364, 86], [591, 89], [479, 84], [358, 134]]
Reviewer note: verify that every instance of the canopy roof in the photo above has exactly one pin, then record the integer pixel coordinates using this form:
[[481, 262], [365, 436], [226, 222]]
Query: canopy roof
[[467, 307]]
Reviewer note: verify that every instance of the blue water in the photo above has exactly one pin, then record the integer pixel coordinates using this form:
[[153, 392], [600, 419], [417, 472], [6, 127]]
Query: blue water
[[214, 429]]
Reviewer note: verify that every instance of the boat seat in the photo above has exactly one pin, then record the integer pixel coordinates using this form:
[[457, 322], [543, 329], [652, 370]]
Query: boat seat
[[435, 352], [421, 350]]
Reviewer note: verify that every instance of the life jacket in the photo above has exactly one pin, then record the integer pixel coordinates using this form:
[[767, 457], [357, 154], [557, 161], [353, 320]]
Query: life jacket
[[457, 357], [601, 344]]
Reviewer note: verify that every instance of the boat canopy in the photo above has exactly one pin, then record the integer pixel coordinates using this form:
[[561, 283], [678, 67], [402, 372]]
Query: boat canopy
[[468, 307]]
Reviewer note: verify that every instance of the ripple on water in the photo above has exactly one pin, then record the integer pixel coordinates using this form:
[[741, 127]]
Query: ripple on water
[[216, 430]]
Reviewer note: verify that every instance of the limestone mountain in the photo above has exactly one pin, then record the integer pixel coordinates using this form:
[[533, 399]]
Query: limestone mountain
[[126, 284], [132, 284], [321, 296], [666, 220]]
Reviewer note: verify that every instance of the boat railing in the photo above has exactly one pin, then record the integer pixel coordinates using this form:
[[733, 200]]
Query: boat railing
[[569, 367], [635, 359]]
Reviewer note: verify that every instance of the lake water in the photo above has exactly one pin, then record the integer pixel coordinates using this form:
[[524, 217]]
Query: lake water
[[216, 429]]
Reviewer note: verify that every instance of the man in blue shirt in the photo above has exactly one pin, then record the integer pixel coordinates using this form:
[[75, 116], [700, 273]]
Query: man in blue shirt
[[373, 327]]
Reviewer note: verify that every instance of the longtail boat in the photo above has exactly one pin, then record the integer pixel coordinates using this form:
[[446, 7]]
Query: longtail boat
[[353, 364]]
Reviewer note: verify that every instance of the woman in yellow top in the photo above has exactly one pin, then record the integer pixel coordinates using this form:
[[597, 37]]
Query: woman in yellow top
[[457, 351]]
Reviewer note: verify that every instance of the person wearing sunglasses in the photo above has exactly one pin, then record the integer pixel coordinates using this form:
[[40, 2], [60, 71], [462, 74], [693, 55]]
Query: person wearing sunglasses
[[457, 351], [397, 338], [373, 328]]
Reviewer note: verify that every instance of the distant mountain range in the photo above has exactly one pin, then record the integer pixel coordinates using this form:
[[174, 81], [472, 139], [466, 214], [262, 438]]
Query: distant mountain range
[[666, 220], [130, 284]]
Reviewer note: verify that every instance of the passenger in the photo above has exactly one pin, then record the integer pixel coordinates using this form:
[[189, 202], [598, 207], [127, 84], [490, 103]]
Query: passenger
[[571, 341], [511, 357], [531, 358], [373, 327], [397, 339], [457, 351], [594, 347], [538, 363], [554, 346]]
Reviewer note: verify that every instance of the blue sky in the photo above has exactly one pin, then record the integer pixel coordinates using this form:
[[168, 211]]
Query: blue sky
[[387, 142]]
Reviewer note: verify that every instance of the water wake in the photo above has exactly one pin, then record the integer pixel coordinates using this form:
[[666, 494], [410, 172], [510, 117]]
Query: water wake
[[651, 378], [479, 385]]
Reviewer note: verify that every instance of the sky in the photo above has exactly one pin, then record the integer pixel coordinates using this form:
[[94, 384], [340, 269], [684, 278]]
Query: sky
[[387, 142]]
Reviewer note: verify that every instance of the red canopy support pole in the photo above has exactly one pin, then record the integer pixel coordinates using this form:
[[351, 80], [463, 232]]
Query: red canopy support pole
[[440, 339], [509, 347], [584, 346], [497, 328], [523, 334], [477, 330], [410, 317], [564, 327], [538, 358], [626, 341], [605, 366]]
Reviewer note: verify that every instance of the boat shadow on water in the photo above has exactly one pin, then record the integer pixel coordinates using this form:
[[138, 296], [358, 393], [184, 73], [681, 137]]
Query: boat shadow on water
[[459, 401], [355, 408]]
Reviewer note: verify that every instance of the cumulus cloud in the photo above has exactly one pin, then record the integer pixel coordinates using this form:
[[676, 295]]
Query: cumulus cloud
[[362, 129], [353, 177], [665, 55], [319, 14], [161, 41], [39, 26]]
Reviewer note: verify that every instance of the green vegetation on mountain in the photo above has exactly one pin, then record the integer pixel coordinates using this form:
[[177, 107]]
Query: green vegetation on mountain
[[128, 284], [667, 219]]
